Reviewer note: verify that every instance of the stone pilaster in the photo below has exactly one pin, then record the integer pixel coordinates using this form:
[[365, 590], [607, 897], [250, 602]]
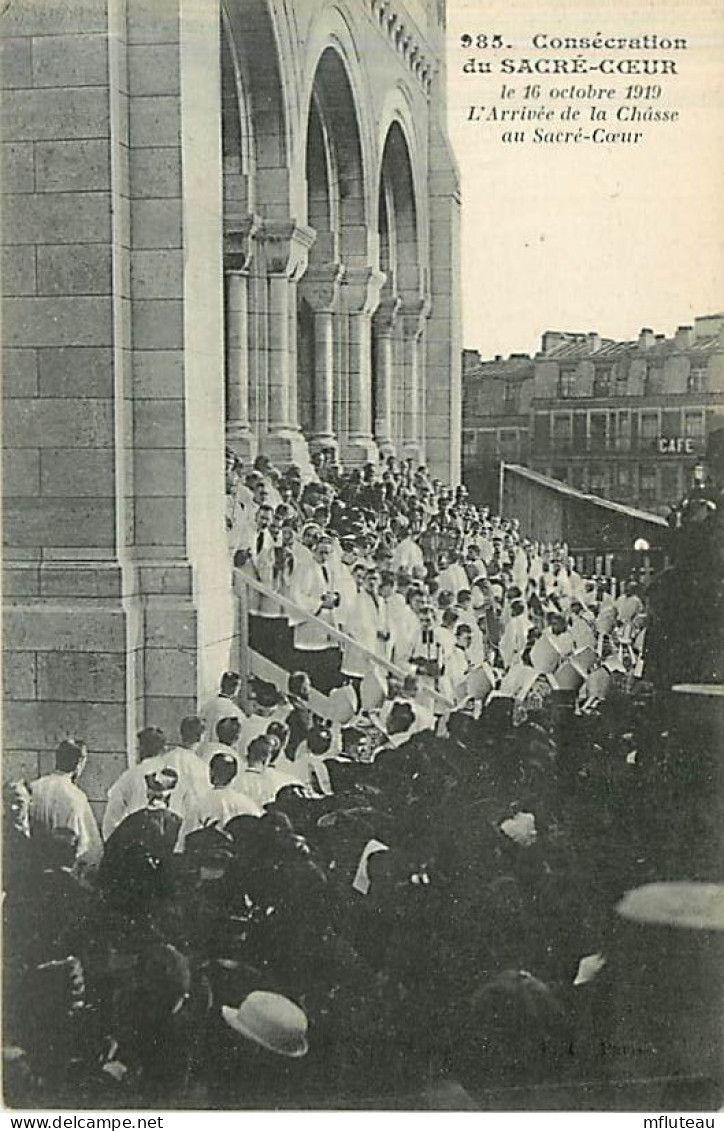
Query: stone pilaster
[[286, 246], [443, 332], [414, 315], [118, 600], [70, 617], [361, 295], [238, 253], [384, 325], [320, 287]]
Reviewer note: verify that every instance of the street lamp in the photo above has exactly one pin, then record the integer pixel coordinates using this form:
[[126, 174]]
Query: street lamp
[[641, 549]]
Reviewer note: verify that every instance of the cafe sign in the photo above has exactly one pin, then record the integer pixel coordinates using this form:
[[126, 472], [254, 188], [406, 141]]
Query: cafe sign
[[677, 445]]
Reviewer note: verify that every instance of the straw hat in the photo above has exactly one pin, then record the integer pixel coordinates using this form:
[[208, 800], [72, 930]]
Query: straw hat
[[698, 906], [270, 1020]]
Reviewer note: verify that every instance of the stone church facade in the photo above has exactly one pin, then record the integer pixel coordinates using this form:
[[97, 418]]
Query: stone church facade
[[223, 225]]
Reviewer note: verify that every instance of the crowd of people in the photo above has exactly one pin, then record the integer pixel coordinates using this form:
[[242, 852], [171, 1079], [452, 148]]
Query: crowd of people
[[422, 580], [397, 877]]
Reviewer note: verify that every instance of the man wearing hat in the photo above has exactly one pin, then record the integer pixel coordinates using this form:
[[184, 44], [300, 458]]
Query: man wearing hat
[[656, 1009], [253, 1055]]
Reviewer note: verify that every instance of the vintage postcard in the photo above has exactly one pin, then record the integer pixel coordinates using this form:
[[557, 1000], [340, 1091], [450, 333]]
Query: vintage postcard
[[363, 594]]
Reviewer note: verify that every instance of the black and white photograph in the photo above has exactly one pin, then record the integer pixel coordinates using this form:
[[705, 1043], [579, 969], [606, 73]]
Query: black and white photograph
[[363, 559]]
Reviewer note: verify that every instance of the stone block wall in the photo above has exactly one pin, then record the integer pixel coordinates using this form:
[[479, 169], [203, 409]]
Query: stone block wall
[[118, 608]]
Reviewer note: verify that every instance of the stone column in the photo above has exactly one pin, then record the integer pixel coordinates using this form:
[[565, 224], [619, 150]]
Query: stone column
[[443, 333], [286, 246], [361, 290], [238, 252], [413, 315], [384, 324], [320, 287]]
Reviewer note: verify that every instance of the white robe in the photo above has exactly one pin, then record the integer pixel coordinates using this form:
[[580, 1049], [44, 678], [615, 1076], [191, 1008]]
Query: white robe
[[514, 639], [260, 566], [407, 555], [128, 793], [214, 807], [362, 623], [58, 803], [308, 585], [216, 709]]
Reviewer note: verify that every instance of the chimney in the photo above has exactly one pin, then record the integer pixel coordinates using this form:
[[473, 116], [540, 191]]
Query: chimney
[[593, 340], [550, 340], [471, 360], [684, 337], [646, 339], [708, 325]]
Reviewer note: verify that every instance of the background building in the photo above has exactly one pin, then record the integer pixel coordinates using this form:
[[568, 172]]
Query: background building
[[624, 420], [497, 398], [223, 223]]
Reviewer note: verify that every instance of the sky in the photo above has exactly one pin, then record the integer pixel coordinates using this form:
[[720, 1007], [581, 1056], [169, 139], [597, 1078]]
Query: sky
[[587, 237]]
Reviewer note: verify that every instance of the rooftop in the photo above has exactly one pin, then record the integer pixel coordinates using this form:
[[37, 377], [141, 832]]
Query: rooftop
[[704, 337]]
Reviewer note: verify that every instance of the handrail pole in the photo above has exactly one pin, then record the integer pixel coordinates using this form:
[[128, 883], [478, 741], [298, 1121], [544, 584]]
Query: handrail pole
[[244, 653], [332, 633]]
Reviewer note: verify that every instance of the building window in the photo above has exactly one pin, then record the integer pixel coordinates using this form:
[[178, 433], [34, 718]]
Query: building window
[[468, 442], [648, 428], [623, 481], [697, 380], [485, 448], [670, 423], [602, 381], [567, 383], [510, 396], [577, 476], [541, 432], [599, 480], [653, 382], [508, 444], [694, 424], [621, 380], [647, 484], [670, 490], [580, 432], [598, 431], [562, 432], [623, 431]]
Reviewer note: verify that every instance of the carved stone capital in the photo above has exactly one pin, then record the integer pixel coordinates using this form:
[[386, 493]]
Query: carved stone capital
[[414, 314], [240, 243], [361, 289], [320, 285], [286, 247], [385, 317]]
